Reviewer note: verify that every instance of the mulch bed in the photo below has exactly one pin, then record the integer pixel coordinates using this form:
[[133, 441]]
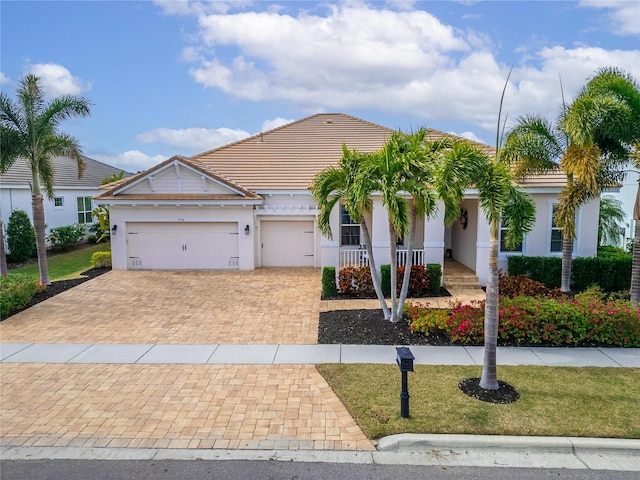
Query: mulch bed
[[368, 327], [60, 286]]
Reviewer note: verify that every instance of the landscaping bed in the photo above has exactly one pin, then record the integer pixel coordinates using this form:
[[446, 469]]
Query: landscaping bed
[[58, 287]]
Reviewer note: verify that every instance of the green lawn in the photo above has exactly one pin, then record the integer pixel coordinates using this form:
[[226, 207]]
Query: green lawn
[[67, 265], [554, 401]]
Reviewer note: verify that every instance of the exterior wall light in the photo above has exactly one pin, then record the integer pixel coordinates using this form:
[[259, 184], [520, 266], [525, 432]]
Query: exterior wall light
[[114, 229], [247, 230]]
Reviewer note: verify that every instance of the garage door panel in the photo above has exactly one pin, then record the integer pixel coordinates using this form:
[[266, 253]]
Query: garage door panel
[[287, 244], [182, 245]]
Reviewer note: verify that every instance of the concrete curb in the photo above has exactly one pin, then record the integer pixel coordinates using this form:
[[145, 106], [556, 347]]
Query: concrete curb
[[409, 442], [403, 449]]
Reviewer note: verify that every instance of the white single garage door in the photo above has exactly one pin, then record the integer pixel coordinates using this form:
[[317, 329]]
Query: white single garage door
[[182, 246], [287, 243]]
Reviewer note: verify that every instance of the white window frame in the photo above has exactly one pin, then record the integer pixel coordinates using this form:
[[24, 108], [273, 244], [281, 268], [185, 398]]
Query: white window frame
[[58, 207], [84, 212], [551, 229], [506, 253], [349, 225]]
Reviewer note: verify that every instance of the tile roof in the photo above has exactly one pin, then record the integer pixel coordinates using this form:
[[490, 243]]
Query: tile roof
[[287, 157], [65, 173]]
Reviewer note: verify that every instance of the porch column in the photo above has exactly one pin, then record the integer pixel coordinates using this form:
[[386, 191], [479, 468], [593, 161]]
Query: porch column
[[482, 247], [380, 233], [330, 249], [434, 237]]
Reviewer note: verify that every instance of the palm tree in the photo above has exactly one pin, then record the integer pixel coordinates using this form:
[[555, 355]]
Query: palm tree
[[609, 221], [606, 115], [29, 131], [337, 184], [412, 173], [501, 202]]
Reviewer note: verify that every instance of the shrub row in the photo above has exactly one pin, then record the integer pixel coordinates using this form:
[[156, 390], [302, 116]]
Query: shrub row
[[582, 321], [66, 237], [16, 291], [611, 272], [357, 281]]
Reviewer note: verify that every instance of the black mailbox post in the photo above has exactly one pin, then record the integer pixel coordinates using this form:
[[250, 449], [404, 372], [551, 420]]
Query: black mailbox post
[[405, 362]]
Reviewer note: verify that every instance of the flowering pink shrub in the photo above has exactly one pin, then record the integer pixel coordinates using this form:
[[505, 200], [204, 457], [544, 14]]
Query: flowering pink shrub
[[536, 321]]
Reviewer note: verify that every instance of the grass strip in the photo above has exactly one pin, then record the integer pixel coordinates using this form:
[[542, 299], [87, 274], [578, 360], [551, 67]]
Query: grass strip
[[554, 401], [65, 266]]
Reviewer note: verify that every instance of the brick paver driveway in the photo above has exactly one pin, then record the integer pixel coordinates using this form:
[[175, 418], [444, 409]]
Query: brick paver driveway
[[175, 406], [266, 306]]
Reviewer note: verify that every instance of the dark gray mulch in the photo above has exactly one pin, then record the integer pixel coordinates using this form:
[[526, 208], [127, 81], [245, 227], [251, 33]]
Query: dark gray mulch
[[503, 395], [60, 286], [368, 327]]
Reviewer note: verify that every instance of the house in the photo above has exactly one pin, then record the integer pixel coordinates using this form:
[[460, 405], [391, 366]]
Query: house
[[248, 205], [73, 201]]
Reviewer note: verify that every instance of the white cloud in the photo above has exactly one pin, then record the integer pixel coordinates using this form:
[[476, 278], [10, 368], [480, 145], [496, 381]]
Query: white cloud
[[364, 56], [275, 123], [469, 135], [623, 16], [57, 80], [4, 79], [131, 161], [190, 7], [192, 139]]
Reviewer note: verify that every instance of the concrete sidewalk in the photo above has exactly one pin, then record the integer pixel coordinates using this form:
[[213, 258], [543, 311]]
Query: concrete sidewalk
[[260, 354]]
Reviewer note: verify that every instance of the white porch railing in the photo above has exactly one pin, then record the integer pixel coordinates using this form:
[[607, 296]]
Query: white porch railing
[[360, 258], [354, 258]]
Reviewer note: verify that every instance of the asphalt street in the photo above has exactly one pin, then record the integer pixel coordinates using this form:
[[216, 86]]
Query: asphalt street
[[276, 470]]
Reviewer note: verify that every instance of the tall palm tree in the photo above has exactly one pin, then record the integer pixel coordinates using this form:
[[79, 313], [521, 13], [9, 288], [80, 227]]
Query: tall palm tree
[[606, 115], [501, 202], [29, 131], [335, 185]]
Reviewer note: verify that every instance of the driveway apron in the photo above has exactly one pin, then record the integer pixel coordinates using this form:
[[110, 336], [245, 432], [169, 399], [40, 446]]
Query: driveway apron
[[175, 405], [266, 306]]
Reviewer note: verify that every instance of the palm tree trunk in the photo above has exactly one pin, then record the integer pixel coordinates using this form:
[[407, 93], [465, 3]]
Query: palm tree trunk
[[375, 274], [567, 253], [404, 291], [394, 274], [489, 379], [41, 247], [4, 271], [635, 268]]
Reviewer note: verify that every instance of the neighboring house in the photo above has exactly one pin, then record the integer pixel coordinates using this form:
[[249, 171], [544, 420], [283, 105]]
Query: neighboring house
[[73, 201], [248, 205]]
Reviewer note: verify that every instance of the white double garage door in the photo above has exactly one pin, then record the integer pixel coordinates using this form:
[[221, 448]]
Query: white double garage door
[[216, 245]]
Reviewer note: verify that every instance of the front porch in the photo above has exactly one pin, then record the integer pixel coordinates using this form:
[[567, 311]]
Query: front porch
[[455, 276]]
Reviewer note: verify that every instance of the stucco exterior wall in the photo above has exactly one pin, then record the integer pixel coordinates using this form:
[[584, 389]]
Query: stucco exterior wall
[[19, 198], [123, 216]]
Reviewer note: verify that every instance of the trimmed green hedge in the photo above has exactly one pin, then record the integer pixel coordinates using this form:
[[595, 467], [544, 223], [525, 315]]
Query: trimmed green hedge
[[329, 288], [16, 291], [612, 273]]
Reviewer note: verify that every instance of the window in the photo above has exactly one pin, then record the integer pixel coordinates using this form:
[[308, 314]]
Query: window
[[58, 202], [555, 244], [349, 230], [503, 245], [84, 209]]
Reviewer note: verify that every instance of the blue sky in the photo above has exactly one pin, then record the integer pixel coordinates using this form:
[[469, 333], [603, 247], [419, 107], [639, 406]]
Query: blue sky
[[182, 77]]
